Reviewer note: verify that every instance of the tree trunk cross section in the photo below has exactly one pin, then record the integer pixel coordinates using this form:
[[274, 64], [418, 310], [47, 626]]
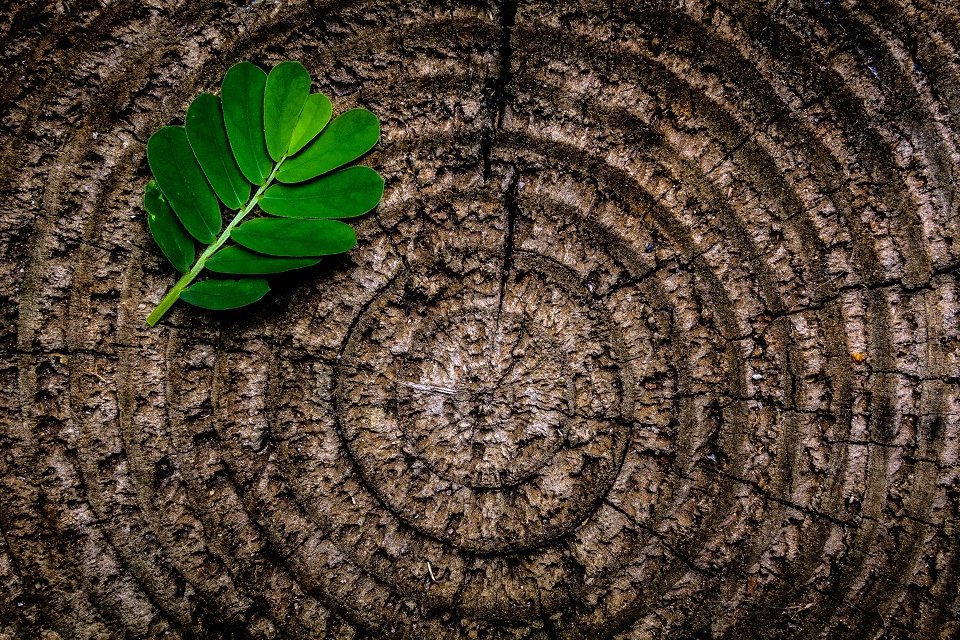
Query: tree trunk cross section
[[655, 334]]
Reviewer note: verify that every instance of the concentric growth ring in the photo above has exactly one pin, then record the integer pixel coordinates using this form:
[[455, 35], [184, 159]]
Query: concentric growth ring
[[478, 416]]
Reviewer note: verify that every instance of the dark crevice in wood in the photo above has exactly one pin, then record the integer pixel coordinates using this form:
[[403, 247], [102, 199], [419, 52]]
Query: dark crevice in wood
[[509, 237], [497, 94]]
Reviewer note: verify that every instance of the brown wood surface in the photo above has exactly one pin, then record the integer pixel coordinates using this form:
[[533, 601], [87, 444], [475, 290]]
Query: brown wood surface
[[654, 335]]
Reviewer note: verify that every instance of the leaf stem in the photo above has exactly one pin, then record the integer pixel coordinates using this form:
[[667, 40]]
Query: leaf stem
[[174, 294]]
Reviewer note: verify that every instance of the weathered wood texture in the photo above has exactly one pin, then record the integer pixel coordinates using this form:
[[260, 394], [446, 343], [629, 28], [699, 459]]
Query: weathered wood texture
[[655, 334]]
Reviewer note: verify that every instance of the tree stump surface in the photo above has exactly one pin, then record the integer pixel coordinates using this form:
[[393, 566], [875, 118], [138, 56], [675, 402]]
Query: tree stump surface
[[654, 335]]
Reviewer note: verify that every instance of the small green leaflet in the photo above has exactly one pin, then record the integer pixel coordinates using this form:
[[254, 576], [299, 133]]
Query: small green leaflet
[[314, 117], [288, 86], [242, 95], [295, 238], [344, 140], [341, 194], [207, 135], [230, 156], [181, 180], [173, 240], [219, 295], [239, 261]]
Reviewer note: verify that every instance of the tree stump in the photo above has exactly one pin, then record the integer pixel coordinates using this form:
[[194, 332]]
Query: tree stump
[[654, 335]]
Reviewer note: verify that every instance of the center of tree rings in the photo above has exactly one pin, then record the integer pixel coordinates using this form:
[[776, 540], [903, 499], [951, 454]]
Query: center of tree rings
[[483, 410]]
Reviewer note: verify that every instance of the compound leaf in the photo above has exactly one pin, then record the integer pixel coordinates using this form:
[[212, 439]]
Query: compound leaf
[[240, 261], [314, 117], [348, 137], [342, 194], [173, 240], [242, 93], [295, 238], [288, 86], [218, 295], [263, 128], [208, 139], [182, 182]]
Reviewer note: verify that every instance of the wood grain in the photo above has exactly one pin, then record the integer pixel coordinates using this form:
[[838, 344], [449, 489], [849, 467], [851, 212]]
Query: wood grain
[[654, 334]]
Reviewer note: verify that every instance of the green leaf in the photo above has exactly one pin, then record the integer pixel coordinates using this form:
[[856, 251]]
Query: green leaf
[[342, 194], [314, 117], [295, 238], [242, 92], [264, 128], [180, 178], [240, 261], [288, 86], [225, 294], [344, 140], [208, 139], [170, 235]]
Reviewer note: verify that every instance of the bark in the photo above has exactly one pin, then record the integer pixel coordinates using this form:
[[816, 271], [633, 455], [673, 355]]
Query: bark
[[654, 335]]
